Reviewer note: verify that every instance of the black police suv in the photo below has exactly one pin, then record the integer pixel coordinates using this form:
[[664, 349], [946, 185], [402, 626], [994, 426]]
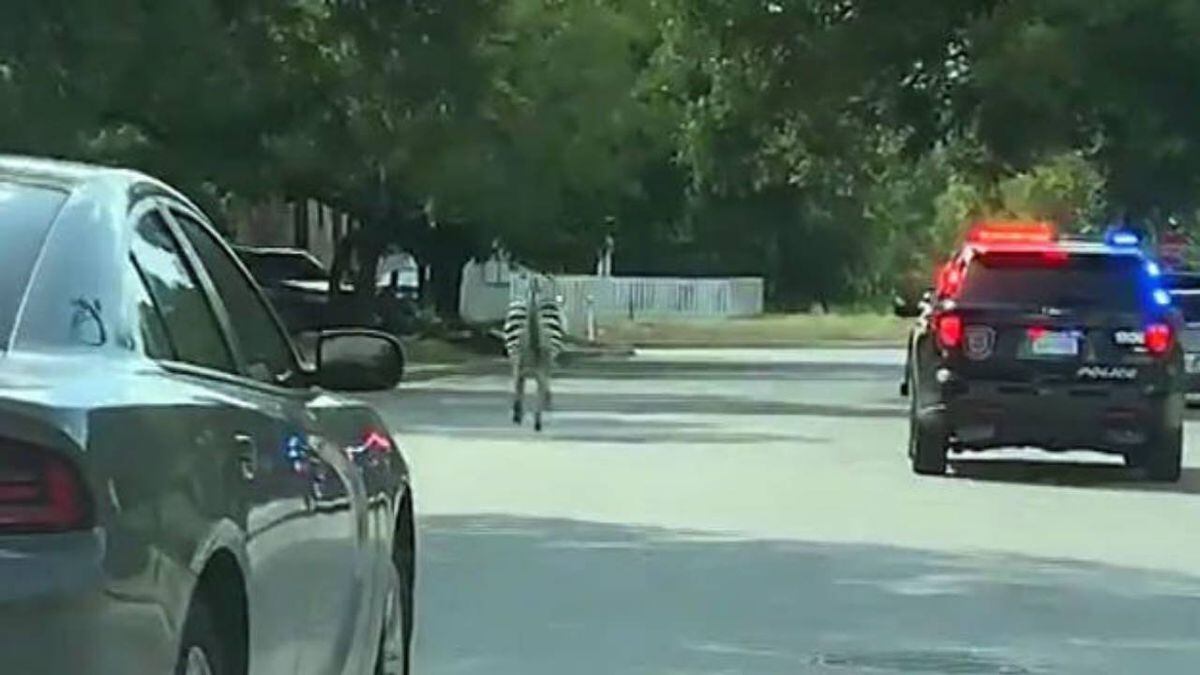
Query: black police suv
[[1032, 340]]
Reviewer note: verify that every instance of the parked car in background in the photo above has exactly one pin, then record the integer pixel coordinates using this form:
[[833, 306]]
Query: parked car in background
[[399, 273], [295, 282], [178, 494], [298, 285], [1184, 288]]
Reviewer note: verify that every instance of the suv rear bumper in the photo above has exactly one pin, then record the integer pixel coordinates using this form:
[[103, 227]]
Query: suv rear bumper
[[1115, 419]]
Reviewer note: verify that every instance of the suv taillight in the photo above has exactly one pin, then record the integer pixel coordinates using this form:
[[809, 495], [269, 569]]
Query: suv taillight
[[949, 328], [39, 492], [1159, 337]]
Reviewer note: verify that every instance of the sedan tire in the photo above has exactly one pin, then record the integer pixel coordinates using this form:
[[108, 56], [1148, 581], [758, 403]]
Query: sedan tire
[[201, 652], [395, 640]]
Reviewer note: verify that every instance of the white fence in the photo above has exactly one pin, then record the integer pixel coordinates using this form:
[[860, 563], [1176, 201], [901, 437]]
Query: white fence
[[486, 293], [614, 298]]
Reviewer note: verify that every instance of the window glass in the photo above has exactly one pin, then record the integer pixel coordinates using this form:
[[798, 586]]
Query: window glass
[[263, 346], [1079, 281], [26, 213], [190, 323], [155, 341]]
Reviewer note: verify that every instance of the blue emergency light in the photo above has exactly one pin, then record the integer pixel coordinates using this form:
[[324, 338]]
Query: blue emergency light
[[1122, 238]]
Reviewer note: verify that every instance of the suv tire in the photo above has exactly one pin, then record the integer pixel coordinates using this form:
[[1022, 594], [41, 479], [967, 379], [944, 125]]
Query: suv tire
[[1164, 456], [926, 447]]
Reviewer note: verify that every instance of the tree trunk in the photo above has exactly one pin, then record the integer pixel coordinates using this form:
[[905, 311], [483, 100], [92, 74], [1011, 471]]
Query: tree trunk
[[449, 250], [356, 261], [446, 272]]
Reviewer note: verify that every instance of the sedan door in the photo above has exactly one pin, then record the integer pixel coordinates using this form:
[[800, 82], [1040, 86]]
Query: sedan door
[[237, 464], [344, 635], [332, 583]]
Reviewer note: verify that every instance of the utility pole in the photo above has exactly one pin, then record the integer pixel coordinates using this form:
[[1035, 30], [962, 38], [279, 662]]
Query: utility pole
[[604, 262]]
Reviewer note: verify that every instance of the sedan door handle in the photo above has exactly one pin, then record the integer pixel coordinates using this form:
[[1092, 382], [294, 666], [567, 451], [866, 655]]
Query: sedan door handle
[[247, 455]]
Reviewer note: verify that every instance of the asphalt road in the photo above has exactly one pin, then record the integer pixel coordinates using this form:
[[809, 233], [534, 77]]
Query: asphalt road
[[753, 512]]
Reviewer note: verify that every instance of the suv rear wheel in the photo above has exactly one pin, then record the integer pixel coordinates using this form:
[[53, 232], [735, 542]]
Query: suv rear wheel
[[1164, 456], [926, 446]]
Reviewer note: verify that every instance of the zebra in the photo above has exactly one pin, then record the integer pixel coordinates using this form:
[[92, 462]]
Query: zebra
[[532, 346]]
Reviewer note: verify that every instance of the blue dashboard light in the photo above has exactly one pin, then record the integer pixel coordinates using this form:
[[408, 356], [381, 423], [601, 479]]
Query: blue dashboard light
[[1161, 297]]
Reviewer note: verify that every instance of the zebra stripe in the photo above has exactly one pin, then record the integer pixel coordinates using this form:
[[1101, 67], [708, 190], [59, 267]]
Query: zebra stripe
[[533, 338], [519, 338]]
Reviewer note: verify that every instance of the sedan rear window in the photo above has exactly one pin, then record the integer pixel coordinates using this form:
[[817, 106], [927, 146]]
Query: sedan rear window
[[26, 213], [1078, 281]]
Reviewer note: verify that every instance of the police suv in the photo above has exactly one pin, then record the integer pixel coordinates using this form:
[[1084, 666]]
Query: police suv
[[1030, 339]]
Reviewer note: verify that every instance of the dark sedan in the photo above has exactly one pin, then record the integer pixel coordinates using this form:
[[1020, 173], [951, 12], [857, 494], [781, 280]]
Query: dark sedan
[[1185, 293], [178, 494]]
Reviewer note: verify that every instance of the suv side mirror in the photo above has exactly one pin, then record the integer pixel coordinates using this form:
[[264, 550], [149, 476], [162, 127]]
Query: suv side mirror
[[905, 309], [359, 360]]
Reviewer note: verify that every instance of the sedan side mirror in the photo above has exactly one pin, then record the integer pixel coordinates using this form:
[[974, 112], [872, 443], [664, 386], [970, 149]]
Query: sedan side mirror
[[359, 360]]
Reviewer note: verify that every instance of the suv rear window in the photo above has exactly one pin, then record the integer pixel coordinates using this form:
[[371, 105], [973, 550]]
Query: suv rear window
[[26, 213], [1081, 280]]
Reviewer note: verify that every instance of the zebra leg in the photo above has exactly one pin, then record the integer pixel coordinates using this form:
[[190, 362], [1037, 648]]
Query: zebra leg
[[518, 402], [543, 395], [543, 379]]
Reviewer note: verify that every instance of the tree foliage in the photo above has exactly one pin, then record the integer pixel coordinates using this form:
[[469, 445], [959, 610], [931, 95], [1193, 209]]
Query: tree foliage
[[837, 147]]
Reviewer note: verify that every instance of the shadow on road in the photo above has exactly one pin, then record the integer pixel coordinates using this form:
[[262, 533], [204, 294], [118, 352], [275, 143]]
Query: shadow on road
[[1073, 474], [637, 369], [632, 430], [501, 595], [494, 403]]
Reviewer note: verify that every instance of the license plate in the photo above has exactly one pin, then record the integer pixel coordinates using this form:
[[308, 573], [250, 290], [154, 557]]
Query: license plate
[[1054, 343]]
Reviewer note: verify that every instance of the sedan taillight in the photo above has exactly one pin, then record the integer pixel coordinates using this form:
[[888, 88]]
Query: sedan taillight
[[40, 492]]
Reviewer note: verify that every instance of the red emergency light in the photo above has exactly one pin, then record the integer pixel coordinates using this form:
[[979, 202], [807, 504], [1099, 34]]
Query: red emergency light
[[949, 279], [1012, 232]]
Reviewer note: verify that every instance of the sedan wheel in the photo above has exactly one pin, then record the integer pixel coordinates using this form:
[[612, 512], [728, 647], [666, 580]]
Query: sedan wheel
[[201, 651], [393, 643], [197, 663]]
